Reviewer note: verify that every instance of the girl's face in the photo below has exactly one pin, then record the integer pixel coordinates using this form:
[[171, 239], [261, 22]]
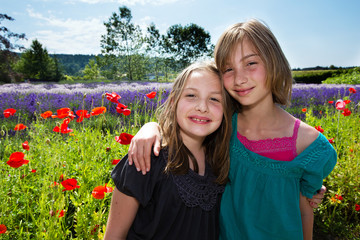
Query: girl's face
[[245, 76], [199, 110]]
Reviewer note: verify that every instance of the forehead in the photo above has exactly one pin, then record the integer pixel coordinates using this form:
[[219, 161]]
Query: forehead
[[203, 79]]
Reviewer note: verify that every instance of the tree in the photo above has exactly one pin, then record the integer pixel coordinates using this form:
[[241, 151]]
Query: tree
[[123, 38], [7, 47], [188, 43], [92, 70], [36, 63]]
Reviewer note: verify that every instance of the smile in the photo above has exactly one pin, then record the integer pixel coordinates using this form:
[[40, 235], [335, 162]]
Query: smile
[[199, 120], [243, 92]]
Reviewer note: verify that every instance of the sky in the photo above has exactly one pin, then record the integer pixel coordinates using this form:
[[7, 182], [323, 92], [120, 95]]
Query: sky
[[311, 32]]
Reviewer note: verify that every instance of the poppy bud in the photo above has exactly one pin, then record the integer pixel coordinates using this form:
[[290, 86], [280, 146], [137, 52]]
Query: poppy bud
[[84, 95], [2, 133], [108, 149], [48, 141]]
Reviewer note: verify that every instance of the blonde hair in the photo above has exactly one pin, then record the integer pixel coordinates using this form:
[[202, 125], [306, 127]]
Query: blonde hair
[[278, 71], [216, 144]]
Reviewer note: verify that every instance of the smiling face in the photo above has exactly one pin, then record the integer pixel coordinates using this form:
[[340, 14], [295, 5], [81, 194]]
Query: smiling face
[[245, 76], [199, 109]]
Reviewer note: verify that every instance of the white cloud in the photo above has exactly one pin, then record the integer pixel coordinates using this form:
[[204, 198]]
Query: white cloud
[[68, 35]]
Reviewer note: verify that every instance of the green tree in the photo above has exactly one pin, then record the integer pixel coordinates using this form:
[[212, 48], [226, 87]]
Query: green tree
[[188, 43], [92, 70], [155, 49], [36, 63], [7, 55], [123, 38]]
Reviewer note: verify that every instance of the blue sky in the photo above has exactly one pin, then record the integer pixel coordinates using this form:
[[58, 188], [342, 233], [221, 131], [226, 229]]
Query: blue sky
[[310, 32]]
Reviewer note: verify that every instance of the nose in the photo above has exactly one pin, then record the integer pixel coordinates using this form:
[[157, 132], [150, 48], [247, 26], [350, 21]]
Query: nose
[[202, 105], [240, 77]]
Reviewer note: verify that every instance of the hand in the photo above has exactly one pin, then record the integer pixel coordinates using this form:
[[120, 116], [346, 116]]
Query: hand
[[317, 199], [140, 146]]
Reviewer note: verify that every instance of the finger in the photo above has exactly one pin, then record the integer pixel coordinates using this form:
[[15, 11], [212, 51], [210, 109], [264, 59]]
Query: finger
[[314, 205], [130, 154], [157, 146], [140, 160], [322, 189]]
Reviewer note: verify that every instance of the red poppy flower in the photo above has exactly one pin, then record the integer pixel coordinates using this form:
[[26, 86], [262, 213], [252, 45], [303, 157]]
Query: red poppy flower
[[2, 228], [113, 97], [122, 109], [319, 128], [357, 207], [340, 105], [16, 160], [63, 113], [99, 191], [46, 114], [82, 114], [61, 213], [63, 127], [331, 140], [151, 95], [61, 178], [9, 112], [19, 127], [54, 185], [330, 102], [33, 170], [98, 110], [115, 161], [26, 146], [304, 109], [124, 138], [347, 101], [69, 184], [338, 197], [352, 90], [346, 112]]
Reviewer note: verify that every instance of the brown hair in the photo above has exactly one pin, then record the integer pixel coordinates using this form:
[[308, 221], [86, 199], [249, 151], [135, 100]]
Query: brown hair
[[216, 144], [278, 71]]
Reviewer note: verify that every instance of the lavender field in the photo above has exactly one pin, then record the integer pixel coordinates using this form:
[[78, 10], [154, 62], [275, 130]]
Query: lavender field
[[59, 187]]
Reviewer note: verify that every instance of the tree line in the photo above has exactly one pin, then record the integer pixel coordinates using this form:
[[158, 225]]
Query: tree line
[[127, 52]]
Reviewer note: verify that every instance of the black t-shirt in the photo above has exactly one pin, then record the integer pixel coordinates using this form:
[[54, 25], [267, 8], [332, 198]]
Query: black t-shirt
[[171, 206]]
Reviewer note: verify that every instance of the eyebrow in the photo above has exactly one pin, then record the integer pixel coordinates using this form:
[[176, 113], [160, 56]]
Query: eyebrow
[[248, 56], [195, 89]]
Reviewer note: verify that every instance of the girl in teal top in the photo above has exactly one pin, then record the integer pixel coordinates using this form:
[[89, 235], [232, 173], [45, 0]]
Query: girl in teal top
[[264, 198]]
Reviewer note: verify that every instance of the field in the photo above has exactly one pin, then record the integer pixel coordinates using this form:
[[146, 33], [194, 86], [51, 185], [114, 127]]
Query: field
[[55, 173]]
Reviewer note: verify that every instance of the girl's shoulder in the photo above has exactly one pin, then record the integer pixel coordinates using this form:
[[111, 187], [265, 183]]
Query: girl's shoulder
[[306, 135]]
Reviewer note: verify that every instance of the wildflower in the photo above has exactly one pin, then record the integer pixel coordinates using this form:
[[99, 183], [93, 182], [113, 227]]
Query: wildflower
[[2, 228], [82, 114], [54, 184], [26, 146], [99, 191], [338, 197], [61, 213], [151, 95], [304, 109], [98, 111], [63, 113], [331, 140], [115, 161], [9, 112], [61, 178], [357, 207], [33, 170], [346, 112], [69, 184], [347, 101], [93, 231], [352, 90], [330, 102], [46, 114], [113, 97], [19, 127], [63, 127], [121, 108], [351, 150], [16, 160], [319, 128], [340, 104], [124, 138]]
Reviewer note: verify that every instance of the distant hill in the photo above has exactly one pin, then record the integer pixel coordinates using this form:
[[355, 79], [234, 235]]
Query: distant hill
[[72, 64]]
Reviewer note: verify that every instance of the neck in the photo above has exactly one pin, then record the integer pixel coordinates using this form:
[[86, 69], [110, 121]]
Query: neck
[[197, 149]]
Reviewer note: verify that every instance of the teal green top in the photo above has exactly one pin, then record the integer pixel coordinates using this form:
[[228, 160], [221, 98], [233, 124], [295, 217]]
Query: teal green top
[[261, 199]]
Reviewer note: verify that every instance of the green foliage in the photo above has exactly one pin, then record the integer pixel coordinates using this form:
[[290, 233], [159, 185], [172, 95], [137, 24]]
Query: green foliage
[[92, 70], [312, 76], [350, 76], [35, 63]]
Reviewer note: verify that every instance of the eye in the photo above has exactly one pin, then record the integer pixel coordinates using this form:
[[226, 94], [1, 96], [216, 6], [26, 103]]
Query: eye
[[228, 70], [215, 99], [189, 95], [251, 63]]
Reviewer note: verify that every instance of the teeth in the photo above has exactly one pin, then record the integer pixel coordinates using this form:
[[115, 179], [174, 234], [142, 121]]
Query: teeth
[[200, 120]]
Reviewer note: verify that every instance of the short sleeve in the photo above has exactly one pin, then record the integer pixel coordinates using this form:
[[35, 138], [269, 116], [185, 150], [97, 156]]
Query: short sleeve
[[320, 163], [133, 183]]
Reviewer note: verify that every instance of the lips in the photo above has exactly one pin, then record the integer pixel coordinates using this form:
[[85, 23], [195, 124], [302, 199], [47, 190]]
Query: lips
[[244, 92], [199, 119]]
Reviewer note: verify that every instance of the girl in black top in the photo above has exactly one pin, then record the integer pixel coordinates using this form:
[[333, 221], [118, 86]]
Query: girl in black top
[[180, 197]]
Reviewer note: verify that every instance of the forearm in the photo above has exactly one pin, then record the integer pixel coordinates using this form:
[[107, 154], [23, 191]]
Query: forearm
[[307, 218]]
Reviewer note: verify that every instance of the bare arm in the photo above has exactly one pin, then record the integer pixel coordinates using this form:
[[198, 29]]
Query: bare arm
[[317, 199], [123, 210], [307, 218], [141, 144]]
